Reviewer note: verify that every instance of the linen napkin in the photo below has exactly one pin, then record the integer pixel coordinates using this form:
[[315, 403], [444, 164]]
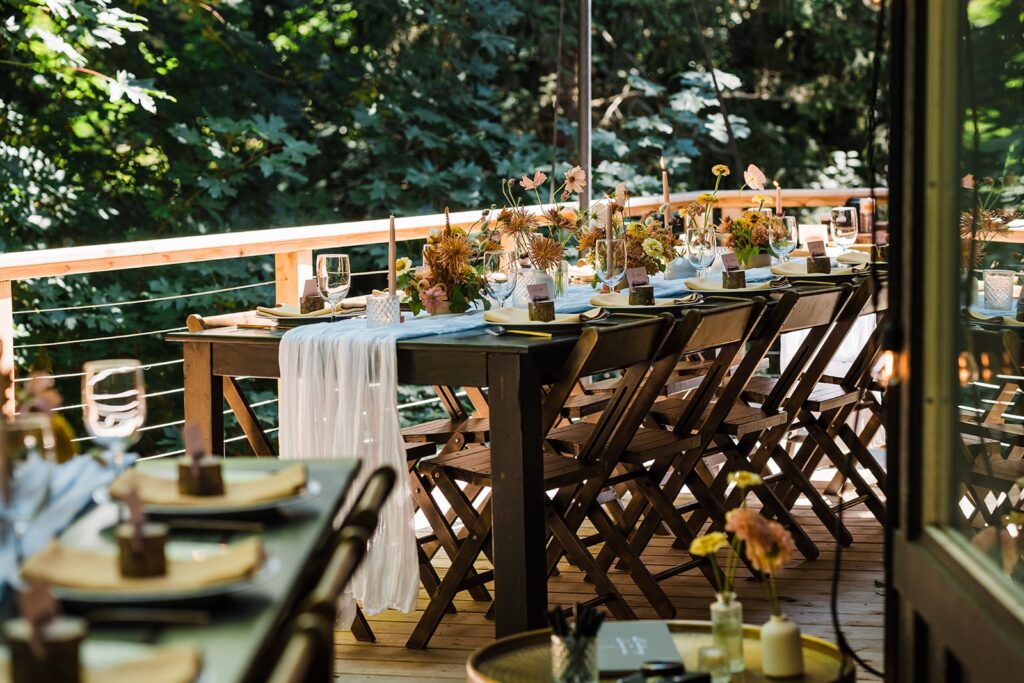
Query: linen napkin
[[710, 285], [854, 257], [171, 664], [290, 311], [619, 299], [503, 316], [66, 566], [799, 269], [157, 490], [985, 315]]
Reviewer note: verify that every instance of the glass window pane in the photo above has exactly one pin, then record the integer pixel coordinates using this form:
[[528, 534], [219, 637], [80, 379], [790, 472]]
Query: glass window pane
[[988, 494]]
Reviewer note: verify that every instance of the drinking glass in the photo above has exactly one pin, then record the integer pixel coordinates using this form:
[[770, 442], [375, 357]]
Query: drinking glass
[[701, 249], [783, 236], [844, 226], [114, 403], [501, 270], [610, 261], [333, 278]]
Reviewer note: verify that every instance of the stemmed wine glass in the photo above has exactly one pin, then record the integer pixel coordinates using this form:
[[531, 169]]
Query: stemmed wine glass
[[114, 403], [701, 249], [333, 278], [610, 261], [501, 270], [783, 236], [844, 226]]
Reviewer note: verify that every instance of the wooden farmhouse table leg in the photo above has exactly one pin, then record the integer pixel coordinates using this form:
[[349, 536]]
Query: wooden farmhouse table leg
[[518, 503], [204, 395]]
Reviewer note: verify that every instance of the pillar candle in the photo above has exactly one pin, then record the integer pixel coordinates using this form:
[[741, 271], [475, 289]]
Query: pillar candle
[[391, 256], [666, 200], [778, 198]]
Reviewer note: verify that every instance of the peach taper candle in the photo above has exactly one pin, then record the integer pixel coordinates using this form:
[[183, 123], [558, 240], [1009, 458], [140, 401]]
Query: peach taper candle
[[665, 199], [391, 256]]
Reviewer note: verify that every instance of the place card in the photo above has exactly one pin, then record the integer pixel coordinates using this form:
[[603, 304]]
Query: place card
[[309, 288], [623, 647], [818, 263], [539, 292], [636, 276], [816, 248], [729, 261]]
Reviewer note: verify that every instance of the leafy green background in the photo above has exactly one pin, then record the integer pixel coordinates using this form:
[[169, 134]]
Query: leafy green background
[[129, 120]]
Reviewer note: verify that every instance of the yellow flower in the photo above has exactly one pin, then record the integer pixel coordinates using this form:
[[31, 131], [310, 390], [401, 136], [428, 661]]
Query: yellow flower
[[706, 198], [653, 248], [761, 199], [745, 479], [403, 266], [720, 170], [708, 544]]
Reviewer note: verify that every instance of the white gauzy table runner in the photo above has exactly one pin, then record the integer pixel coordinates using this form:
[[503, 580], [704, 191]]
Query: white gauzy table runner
[[339, 399]]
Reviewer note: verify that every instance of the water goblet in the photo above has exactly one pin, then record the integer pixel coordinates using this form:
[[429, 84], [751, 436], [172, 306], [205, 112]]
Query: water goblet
[[333, 278], [701, 249], [610, 261], [500, 272], [114, 403], [844, 226], [783, 236]]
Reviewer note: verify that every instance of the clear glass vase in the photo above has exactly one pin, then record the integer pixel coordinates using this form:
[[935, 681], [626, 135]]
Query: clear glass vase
[[573, 660], [560, 274], [727, 629]]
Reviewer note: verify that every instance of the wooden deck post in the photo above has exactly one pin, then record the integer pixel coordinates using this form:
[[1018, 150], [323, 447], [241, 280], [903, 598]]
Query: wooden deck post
[[7, 405], [291, 270]]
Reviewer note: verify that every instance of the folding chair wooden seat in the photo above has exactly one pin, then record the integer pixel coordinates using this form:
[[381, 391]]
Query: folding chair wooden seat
[[456, 430], [633, 347]]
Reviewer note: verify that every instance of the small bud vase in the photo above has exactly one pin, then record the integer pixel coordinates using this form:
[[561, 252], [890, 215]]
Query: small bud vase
[[782, 650], [727, 629]]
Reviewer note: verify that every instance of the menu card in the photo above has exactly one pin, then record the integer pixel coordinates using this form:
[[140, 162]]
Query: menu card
[[623, 647], [730, 262], [539, 292], [816, 249], [636, 277]]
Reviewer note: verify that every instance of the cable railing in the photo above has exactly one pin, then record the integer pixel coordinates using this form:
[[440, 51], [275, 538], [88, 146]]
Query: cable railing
[[292, 249]]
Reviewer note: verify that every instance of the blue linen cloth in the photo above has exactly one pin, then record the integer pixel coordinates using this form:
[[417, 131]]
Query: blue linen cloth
[[45, 498]]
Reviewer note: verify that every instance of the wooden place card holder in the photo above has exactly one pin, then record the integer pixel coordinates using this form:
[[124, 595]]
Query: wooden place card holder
[[541, 307], [641, 291], [732, 276], [818, 263]]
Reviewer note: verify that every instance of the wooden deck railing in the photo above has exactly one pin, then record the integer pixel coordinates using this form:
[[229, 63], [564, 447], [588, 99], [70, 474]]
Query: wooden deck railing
[[292, 249]]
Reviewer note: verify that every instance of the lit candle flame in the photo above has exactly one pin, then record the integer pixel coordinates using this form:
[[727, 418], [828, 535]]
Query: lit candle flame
[[662, 163]]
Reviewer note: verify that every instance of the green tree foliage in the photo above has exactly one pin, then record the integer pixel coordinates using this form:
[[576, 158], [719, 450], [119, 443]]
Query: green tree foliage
[[132, 119]]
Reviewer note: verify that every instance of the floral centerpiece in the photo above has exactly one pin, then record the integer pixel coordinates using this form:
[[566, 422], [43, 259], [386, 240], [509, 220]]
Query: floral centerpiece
[[540, 239], [648, 242], [449, 282]]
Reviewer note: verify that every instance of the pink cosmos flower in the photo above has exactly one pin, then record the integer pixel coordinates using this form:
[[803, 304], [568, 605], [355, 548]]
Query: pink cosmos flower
[[754, 177], [967, 181], [533, 183], [575, 179], [433, 298]]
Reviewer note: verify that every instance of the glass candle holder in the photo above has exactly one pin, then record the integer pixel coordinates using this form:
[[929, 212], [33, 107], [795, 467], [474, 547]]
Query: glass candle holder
[[712, 660], [999, 289], [382, 310], [573, 660]]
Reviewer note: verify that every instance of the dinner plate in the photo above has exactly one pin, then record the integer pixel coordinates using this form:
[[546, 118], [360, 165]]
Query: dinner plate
[[519, 319], [176, 550], [311, 490], [798, 271], [295, 321], [615, 302]]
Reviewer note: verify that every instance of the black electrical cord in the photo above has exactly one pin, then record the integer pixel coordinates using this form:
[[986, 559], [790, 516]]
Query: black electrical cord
[[872, 123]]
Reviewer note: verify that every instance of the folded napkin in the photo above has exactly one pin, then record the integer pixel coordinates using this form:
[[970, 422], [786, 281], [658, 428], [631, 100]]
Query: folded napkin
[[984, 315], [619, 300], [584, 273], [710, 285], [504, 316], [66, 566], [157, 490], [799, 269], [289, 311], [171, 664], [854, 257]]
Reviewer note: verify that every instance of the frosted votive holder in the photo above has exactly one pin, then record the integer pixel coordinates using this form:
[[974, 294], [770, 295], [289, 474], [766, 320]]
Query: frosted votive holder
[[382, 310], [999, 289]]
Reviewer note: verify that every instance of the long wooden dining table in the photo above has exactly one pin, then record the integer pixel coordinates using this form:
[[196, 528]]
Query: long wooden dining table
[[512, 367]]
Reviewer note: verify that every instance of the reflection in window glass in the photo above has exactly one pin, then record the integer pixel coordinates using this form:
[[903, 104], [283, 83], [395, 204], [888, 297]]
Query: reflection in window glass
[[988, 501]]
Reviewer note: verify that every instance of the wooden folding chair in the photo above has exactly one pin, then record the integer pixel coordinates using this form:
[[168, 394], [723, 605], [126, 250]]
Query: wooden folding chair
[[793, 392], [631, 346], [308, 656]]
